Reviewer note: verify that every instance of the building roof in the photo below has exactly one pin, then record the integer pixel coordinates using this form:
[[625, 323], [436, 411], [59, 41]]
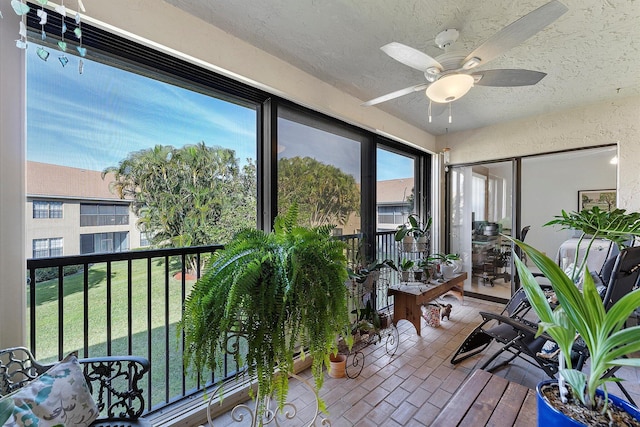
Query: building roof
[[54, 181], [394, 191]]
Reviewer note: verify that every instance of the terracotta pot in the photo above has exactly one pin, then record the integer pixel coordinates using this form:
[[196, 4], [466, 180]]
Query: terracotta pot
[[337, 365], [550, 416]]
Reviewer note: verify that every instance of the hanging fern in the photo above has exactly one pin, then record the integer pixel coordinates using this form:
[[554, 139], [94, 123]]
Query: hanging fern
[[279, 290]]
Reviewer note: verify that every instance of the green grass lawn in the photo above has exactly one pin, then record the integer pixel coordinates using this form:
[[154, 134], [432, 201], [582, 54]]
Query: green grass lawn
[[159, 315]]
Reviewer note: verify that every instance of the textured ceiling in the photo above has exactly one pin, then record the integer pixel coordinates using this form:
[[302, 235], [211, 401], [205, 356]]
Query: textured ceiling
[[590, 54]]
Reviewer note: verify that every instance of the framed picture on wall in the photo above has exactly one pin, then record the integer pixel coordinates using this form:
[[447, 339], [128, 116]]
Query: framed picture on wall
[[604, 199]]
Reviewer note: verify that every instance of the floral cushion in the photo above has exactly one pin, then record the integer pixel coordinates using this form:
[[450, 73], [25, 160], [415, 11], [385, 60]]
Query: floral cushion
[[60, 396]]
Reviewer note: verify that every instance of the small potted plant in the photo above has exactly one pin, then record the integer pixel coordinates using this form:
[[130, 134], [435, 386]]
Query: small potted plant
[[582, 314], [405, 269], [428, 268], [446, 264], [412, 232]]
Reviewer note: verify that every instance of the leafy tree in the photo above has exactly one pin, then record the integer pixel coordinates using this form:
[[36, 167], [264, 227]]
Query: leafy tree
[[411, 201], [187, 196], [324, 194]]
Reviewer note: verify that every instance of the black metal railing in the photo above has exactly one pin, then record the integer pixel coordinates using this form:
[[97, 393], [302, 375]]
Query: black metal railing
[[129, 303], [117, 304]]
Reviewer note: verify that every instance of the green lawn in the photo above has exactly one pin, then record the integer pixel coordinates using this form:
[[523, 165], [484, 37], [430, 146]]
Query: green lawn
[[146, 316]]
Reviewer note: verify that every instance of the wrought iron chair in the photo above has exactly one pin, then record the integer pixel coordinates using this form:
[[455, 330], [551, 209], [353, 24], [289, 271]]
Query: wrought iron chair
[[114, 382]]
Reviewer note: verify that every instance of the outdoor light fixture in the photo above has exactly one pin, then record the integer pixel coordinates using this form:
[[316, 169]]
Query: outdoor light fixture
[[449, 88], [446, 155]]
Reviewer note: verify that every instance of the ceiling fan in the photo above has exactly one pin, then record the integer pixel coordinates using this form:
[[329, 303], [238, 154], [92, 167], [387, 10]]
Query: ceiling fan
[[449, 76]]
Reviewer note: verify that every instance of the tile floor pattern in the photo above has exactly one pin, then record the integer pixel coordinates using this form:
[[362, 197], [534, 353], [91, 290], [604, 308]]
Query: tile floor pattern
[[410, 388]]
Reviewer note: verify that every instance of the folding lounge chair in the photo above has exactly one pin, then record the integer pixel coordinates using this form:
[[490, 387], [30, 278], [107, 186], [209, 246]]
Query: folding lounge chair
[[482, 336], [517, 335], [516, 308]]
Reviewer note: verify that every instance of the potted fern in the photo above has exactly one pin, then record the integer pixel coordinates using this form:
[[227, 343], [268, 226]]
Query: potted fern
[[582, 314], [281, 293]]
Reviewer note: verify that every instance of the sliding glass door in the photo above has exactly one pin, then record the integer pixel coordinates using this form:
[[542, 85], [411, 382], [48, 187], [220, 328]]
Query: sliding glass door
[[480, 213], [482, 209]]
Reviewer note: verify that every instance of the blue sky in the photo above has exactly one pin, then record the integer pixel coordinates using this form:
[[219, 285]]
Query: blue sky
[[72, 123]]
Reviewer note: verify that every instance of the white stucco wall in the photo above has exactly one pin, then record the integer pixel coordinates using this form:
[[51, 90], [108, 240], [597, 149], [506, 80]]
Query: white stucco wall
[[599, 124], [12, 182]]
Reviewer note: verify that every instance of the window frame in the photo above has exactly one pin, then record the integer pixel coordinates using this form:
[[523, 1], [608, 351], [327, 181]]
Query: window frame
[[49, 212], [100, 44], [103, 218], [50, 247]]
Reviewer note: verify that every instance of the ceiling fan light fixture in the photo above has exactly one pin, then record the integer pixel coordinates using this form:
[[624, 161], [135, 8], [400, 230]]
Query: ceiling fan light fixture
[[449, 88]]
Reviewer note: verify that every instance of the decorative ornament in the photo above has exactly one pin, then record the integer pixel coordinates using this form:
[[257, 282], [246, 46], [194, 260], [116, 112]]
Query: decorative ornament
[[61, 9], [42, 14], [43, 20], [62, 45], [78, 32], [42, 53], [20, 8]]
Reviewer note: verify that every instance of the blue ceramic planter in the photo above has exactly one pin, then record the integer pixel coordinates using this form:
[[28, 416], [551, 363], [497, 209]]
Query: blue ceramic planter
[[550, 416]]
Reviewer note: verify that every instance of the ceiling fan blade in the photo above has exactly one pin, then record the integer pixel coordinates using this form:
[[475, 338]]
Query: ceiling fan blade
[[508, 78], [410, 56], [395, 94], [517, 32]]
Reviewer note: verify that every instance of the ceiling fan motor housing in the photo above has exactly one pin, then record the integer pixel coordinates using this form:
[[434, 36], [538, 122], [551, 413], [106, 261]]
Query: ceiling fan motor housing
[[447, 37]]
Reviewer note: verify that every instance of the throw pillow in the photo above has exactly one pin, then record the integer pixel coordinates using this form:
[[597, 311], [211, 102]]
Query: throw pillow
[[60, 396]]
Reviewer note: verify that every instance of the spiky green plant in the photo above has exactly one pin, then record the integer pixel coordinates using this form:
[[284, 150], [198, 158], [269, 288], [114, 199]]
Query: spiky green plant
[[583, 313], [279, 290]]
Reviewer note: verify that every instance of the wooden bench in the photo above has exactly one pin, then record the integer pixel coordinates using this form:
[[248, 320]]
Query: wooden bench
[[114, 382], [485, 399]]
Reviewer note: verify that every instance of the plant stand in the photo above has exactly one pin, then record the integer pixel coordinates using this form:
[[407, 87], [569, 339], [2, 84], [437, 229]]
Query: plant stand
[[265, 410], [370, 297]]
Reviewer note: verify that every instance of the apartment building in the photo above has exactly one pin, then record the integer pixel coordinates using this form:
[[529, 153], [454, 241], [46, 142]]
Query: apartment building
[[71, 211]]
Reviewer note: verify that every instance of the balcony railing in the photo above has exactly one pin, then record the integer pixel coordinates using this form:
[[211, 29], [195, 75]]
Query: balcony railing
[[129, 303]]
